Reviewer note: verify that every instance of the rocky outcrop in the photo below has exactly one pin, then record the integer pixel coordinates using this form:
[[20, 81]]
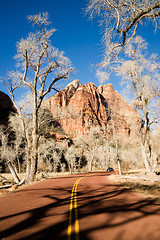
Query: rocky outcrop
[[124, 118], [6, 107], [78, 107]]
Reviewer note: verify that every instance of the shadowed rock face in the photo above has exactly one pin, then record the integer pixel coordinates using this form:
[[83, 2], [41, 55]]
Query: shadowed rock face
[[78, 107], [6, 107]]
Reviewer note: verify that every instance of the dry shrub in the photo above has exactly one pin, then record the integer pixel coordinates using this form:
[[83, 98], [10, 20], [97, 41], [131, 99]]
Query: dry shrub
[[130, 157]]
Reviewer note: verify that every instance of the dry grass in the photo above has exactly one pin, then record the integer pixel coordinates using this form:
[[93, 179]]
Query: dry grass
[[148, 187]]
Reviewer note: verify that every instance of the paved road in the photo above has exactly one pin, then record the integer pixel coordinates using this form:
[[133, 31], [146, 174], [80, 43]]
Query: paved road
[[81, 207]]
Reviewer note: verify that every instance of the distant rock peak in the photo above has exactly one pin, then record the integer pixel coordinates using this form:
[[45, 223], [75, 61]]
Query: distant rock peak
[[75, 83], [86, 106]]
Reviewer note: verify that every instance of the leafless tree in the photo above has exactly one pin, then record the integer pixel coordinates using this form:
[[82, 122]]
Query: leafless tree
[[121, 20], [73, 154], [91, 144], [50, 153], [40, 66], [141, 75], [8, 153], [124, 52], [155, 140]]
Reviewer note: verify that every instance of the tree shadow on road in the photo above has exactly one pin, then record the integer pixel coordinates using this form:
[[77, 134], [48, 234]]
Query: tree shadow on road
[[106, 207]]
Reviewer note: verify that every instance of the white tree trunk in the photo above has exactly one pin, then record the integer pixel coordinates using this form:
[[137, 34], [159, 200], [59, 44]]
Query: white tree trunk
[[35, 139], [145, 158], [34, 156], [13, 172], [119, 167]]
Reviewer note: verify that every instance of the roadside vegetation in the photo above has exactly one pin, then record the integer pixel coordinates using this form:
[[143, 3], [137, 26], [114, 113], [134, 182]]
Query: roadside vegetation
[[96, 151], [136, 181]]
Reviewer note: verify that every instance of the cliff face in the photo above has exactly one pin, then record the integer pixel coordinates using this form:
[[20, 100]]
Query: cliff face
[[78, 107], [6, 107]]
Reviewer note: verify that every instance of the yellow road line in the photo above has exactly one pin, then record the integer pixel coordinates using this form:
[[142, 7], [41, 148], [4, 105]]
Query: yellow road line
[[76, 212], [73, 199], [70, 215]]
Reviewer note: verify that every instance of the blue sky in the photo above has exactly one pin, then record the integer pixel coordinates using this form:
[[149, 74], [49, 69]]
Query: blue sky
[[78, 37]]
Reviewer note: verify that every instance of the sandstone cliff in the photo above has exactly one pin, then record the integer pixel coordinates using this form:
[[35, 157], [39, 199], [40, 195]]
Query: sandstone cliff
[[78, 107]]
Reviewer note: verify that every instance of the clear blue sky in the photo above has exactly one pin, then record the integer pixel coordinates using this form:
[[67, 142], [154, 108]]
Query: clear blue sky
[[78, 37]]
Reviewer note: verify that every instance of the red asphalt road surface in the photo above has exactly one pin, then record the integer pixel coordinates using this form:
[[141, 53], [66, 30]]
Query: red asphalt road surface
[[105, 211]]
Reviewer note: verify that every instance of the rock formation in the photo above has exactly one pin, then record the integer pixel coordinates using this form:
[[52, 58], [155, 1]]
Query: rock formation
[[78, 107], [6, 107]]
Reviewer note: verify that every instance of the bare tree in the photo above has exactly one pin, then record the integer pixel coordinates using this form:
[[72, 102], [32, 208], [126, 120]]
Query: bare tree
[[71, 157], [40, 66], [120, 20], [155, 140], [49, 153], [18, 146], [90, 145], [123, 17], [7, 153], [141, 76]]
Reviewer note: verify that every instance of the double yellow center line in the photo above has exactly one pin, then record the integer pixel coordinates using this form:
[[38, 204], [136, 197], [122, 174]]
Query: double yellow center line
[[73, 209]]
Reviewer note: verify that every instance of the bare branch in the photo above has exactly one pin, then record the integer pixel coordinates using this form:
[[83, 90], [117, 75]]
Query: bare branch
[[121, 20]]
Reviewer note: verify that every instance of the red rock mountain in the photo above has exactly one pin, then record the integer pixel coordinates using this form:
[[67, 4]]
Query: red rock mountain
[[78, 107]]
